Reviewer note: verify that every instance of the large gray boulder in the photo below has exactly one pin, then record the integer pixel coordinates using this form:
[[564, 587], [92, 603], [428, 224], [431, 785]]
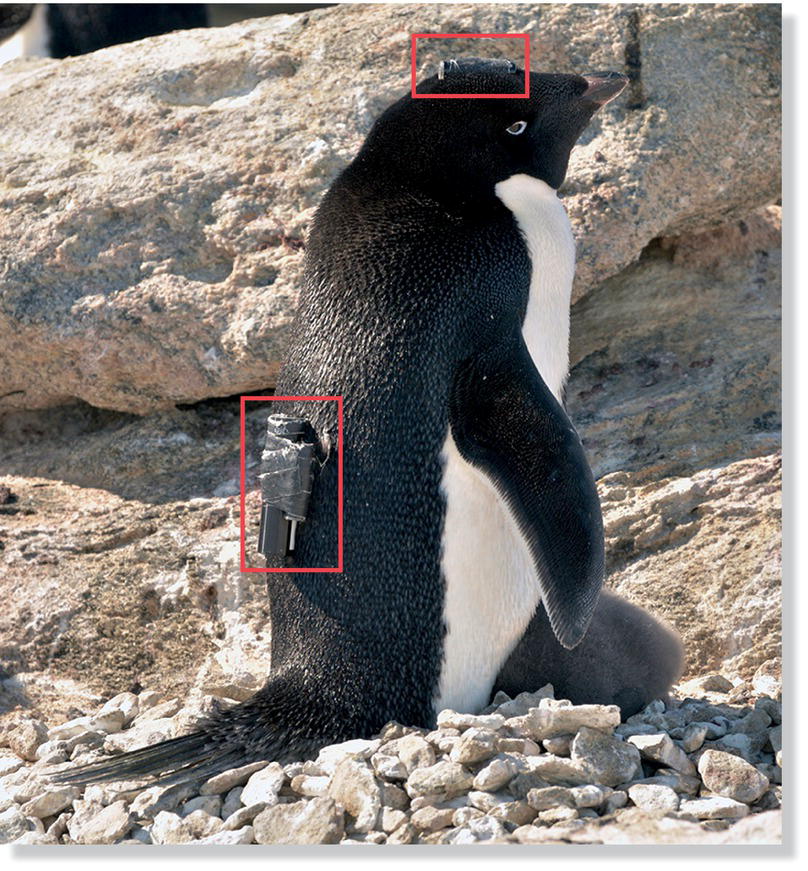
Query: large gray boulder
[[156, 196]]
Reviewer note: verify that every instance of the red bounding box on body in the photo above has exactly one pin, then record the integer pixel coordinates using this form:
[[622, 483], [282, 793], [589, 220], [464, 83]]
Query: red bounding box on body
[[245, 497], [525, 37]]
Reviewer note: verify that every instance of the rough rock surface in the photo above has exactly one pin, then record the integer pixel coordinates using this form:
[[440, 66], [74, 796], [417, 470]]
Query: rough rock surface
[[154, 219], [617, 800]]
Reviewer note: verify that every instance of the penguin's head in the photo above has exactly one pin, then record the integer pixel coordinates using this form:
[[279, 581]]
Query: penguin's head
[[458, 149]]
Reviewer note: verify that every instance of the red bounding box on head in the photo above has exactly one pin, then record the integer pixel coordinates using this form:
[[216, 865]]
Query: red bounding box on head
[[243, 470], [525, 37]]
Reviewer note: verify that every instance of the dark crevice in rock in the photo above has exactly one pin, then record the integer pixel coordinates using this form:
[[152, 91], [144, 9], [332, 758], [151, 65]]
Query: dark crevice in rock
[[633, 55]]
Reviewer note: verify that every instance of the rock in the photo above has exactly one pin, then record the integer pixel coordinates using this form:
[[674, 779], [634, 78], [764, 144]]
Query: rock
[[553, 770], [391, 819], [767, 678], [550, 797], [354, 787], [707, 683], [653, 798], [207, 229], [311, 785], [125, 703], [318, 821], [605, 760], [558, 746], [660, 748], [431, 819], [12, 824], [202, 824], [445, 778], [496, 773], [359, 748], [454, 720], [105, 826], [50, 802], [141, 734], [388, 767], [25, 737], [693, 736], [230, 838], [170, 828], [523, 702], [231, 778], [241, 817], [715, 807], [549, 722], [414, 751], [557, 814], [589, 796], [264, 785], [210, 804], [475, 745], [10, 764], [729, 776], [151, 801]]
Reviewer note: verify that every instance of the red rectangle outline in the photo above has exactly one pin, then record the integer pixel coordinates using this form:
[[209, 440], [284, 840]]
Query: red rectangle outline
[[243, 487], [416, 96]]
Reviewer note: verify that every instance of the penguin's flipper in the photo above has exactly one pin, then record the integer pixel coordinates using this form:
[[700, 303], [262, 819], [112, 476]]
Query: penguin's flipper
[[507, 423]]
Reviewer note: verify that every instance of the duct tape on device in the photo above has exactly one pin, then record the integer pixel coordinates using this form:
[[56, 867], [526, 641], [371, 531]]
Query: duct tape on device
[[286, 474]]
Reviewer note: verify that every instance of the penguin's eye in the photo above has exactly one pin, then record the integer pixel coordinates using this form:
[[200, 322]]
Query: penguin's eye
[[517, 128]]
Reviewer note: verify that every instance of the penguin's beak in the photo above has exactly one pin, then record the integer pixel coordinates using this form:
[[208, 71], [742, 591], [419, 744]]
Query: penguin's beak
[[603, 87]]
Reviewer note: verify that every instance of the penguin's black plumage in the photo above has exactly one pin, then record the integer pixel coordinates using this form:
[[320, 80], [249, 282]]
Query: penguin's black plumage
[[467, 496]]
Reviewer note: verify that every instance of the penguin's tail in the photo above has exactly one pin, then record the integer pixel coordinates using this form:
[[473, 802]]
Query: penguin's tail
[[253, 731], [190, 757]]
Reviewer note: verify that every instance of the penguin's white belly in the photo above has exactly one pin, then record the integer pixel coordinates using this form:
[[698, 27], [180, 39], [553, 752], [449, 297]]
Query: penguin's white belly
[[491, 587], [491, 590]]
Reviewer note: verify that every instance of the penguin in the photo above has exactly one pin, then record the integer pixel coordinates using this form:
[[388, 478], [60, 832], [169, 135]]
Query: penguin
[[436, 297], [64, 29]]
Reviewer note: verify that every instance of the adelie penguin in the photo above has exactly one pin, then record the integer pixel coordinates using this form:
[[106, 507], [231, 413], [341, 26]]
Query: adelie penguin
[[436, 303]]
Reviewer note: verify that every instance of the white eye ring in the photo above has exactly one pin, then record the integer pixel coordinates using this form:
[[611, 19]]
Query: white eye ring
[[517, 128]]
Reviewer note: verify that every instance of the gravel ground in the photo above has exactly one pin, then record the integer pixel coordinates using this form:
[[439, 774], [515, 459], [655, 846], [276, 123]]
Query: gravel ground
[[705, 767]]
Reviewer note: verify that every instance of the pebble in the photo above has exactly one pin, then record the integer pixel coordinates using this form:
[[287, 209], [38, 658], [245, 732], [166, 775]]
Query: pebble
[[170, 828], [414, 751], [551, 720], [455, 720], [551, 796], [229, 838], [26, 735], [714, 807], [228, 779], [211, 804], [13, 824], [605, 760], [311, 785], [10, 764], [531, 769], [242, 816], [475, 745], [354, 787], [314, 821], [732, 777], [654, 798], [264, 785], [431, 819], [104, 826], [693, 736], [661, 749], [444, 778], [497, 773], [51, 802]]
